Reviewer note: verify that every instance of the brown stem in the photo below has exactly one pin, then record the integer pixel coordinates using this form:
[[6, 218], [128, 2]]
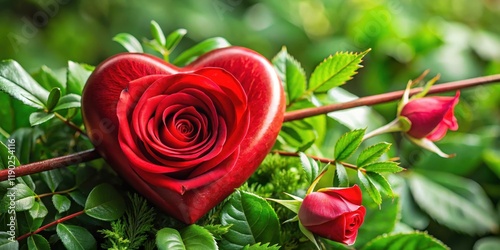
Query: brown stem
[[289, 116], [388, 97], [61, 220], [50, 164]]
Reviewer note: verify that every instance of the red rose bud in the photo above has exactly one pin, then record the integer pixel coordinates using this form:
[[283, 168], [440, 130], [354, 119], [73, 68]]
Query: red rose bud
[[333, 213], [431, 117]]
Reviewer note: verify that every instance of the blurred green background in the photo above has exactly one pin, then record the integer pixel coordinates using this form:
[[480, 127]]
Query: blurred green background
[[458, 39]]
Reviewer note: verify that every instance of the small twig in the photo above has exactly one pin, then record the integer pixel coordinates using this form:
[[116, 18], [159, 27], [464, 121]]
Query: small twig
[[61, 220], [317, 158], [50, 164], [70, 124], [58, 192], [388, 97]]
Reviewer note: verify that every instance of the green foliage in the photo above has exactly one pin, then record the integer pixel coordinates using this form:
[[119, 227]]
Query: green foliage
[[16, 82], [310, 167], [191, 237], [61, 203], [348, 143], [409, 241], [128, 41], [372, 153], [259, 246], [292, 75], [341, 174], [105, 203], [335, 71], [38, 242], [174, 38], [24, 198], [379, 220], [75, 237], [368, 184], [455, 197], [77, 75], [383, 167], [199, 49], [253, 220], [131, 230], [217, 230]]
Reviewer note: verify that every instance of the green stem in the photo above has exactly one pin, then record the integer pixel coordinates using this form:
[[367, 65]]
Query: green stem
[[70, 123], [4, 133], [394, 126], [58, 192]]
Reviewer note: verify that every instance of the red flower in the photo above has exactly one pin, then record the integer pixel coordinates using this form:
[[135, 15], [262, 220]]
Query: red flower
[[333, 213], [431, 117], [182, 131]]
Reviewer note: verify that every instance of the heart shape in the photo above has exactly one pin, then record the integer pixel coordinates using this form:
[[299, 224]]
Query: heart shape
[[265, 107]]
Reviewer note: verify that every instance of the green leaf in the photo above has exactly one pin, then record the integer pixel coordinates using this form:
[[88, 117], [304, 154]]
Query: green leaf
[[75, 237], [348, 143], [292, 75], [341, 175], [253, 220], [77, 76], [105, 203], [174, 38], [487, 243], [53, 99], [382, 182], [38, 118], [372, 153], [217, 230], [293, 205], [61, 203], [157, 33], [48, 79], [446, 197], [69, 101], [6, 242], [24, 143], [16, 82], [310, 167], [52, 178], [309, 235], [335, 71], [378, 220], [383, 167], [199, 49], [197, 237], [38, 210], [370, 188], [21, 195], [407, 241], [38, 242], [128, 41], [169, 239], [259, 246], [297, 135], [27, 223]]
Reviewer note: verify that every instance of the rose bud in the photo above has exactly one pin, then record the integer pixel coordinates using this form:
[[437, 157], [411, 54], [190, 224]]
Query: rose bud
[[333, 213], [431, 117]]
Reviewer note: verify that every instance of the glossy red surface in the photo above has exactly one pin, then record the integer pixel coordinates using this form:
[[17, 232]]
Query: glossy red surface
[[266, 104]]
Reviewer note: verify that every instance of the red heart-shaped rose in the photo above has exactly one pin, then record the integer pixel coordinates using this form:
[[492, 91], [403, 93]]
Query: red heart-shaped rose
[[110, 83]]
